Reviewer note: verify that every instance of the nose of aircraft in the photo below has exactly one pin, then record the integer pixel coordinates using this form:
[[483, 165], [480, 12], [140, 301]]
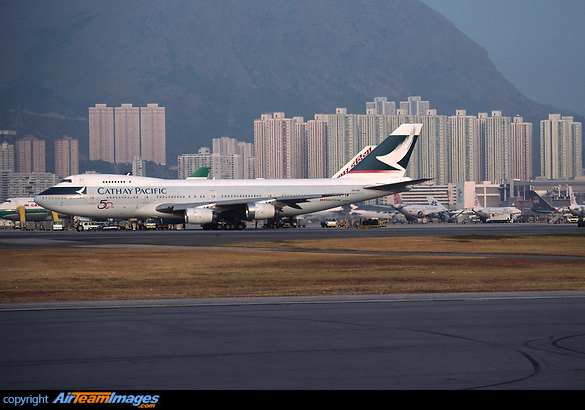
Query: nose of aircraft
[[39, 200]]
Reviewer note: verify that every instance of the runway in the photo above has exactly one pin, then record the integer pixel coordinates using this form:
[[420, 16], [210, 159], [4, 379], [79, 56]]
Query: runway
[[453, 341], [10, 239], [533, 340]]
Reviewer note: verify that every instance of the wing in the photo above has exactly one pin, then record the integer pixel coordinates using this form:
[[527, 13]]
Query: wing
[[237, 207]]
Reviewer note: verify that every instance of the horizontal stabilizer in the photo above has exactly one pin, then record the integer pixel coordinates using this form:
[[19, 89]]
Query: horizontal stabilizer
[[397, 186]]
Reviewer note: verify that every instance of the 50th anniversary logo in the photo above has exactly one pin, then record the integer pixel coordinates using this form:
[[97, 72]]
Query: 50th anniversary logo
[[80, 398]]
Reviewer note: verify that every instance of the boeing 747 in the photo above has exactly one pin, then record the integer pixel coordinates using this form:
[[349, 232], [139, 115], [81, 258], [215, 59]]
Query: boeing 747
[[219, 204]]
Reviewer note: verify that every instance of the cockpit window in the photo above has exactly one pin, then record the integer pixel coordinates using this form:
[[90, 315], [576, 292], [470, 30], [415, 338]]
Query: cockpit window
[[67, 180]]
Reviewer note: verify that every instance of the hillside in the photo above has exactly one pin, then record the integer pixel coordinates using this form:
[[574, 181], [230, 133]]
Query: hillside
[[203, 59]]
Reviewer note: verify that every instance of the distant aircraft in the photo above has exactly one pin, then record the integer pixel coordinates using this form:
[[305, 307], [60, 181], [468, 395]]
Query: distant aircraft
[[226, 204], [24, 208], [371, 211], [200, 173], [574, 207], [539, 204], [495, 214], [414, 212]]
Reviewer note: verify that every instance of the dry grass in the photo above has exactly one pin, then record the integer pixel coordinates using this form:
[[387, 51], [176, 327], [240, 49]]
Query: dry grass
[[161, 273], [565, 245]]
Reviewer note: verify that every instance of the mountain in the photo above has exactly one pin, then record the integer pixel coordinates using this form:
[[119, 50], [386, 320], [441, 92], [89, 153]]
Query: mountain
[[209, 61]]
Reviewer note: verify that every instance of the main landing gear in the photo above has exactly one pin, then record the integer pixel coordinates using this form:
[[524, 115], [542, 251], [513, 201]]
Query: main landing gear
[[224, 225]]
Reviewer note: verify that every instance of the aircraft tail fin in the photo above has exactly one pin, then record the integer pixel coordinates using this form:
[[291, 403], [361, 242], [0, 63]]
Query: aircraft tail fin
[[354, 161], [433, 201], [392, 155], [539, 204], [572, 198], [200, 173], [476, 204], [398, 200]]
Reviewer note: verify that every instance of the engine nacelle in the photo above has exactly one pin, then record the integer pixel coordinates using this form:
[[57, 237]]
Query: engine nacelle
[[259, 210], [198, 216]]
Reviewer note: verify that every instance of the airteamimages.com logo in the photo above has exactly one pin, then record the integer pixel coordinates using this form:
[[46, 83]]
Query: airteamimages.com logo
[[81, 398]]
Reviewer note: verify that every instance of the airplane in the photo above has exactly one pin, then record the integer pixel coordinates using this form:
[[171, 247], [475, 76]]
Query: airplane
[[493, 214], [24, 208], [574, 207], [416, 212], [200, 173], [227, 204], [539, 204], [371, 211]]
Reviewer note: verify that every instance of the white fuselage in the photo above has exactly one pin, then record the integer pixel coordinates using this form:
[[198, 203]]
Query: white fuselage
[[123, 197], [32, 211]]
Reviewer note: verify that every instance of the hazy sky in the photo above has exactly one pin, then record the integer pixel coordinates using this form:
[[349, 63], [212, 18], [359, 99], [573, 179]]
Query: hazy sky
[[538, 45]]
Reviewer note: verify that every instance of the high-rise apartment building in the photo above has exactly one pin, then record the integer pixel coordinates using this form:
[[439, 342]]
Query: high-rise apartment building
[[230, 159], [30, 155], [131, 132], [317, 146], [462, 141], [189, 163], [342, 139], [66, 157], [6, 157], [428, 157], [520, 159], [101, 133], [494, 147], [414, 106], [127, 133], [246, 151], [153, 134], [561, 155], [270, 145], [381, 106]]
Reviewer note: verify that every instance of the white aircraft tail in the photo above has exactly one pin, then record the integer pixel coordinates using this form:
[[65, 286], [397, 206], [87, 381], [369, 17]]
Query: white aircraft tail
[[434, 202], [354, 161], [392, 155], [476, 204], [573, 203], [398, 200]]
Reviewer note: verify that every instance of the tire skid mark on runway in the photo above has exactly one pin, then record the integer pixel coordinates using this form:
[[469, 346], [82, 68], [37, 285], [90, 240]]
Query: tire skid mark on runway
[[536, 366]]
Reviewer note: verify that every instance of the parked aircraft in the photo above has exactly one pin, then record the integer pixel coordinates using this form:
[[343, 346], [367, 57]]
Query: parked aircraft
[[495, 214], [200, 173], [226, 204], [539, 204], [24, 208], [574, 207], [414, 212]]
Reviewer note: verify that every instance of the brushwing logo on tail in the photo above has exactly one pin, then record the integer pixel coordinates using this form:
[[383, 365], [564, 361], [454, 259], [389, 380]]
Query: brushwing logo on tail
[[393, 158], [393, 154]]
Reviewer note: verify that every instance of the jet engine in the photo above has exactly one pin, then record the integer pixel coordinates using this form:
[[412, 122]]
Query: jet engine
[[259, 210], [198, 216]]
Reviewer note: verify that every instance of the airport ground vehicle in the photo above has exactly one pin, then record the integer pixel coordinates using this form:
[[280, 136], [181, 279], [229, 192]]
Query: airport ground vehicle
[[150, 224], [371, 223], [111, 227], [87, 226], [329, 223], [58, 225]]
